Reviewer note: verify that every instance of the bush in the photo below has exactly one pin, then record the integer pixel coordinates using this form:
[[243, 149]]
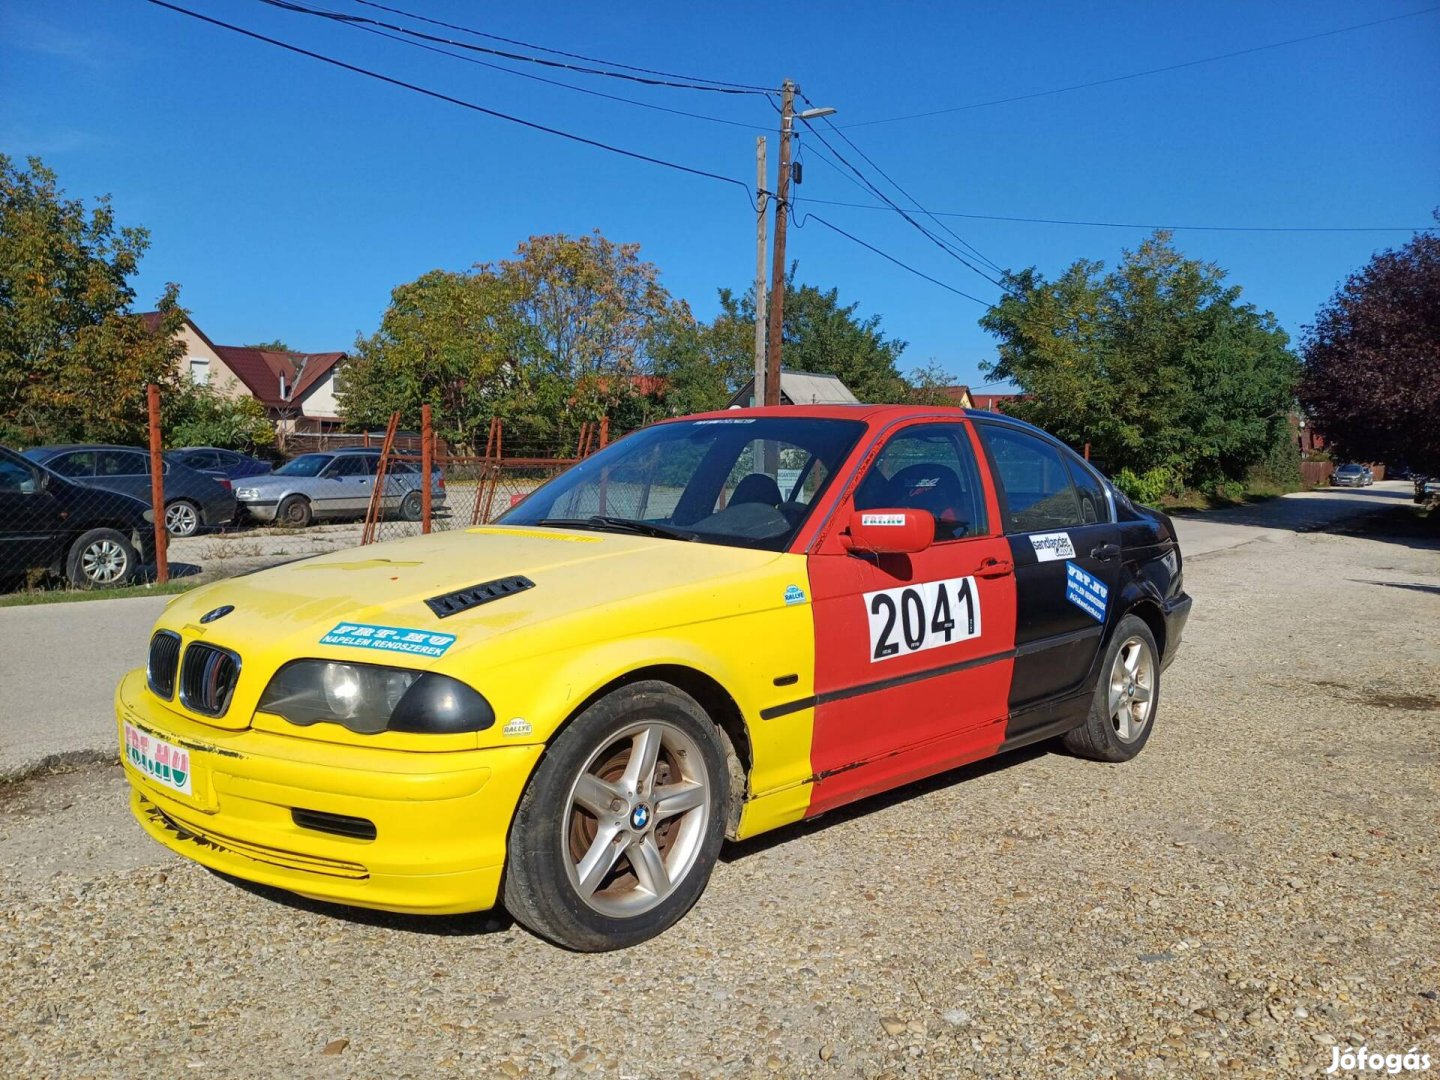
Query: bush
[[1150, 486]]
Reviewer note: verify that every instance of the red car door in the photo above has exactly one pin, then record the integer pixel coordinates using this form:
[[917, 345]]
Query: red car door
[[913, 653]]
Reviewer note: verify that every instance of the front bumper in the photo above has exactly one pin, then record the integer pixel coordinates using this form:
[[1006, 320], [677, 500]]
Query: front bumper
[[440, 819], [259, 510]]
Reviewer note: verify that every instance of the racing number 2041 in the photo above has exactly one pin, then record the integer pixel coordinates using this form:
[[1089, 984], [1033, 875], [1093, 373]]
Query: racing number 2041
[[926, 615]]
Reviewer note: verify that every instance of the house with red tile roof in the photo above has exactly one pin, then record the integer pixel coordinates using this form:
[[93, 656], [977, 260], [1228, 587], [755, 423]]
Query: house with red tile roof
[[297, 389]]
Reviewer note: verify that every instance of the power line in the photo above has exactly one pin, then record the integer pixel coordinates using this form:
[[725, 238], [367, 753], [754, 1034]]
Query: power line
[[1135, 225], [541, 78], [571, 136], [301, 9], [914, 201], [560, 52], [901, 211], [891, 258], [1146, 72]]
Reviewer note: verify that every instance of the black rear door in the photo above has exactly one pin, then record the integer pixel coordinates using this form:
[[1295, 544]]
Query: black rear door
[[1066, 548], [30, 527]]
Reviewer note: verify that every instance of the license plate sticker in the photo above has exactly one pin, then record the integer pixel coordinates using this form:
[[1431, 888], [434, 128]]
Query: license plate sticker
[[163, 762]]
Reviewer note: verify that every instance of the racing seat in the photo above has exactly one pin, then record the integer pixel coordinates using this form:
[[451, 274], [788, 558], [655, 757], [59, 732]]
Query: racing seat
[[756, 488], [937, 490]]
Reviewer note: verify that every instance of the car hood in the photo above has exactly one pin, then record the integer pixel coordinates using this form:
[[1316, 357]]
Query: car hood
[[286, 611]]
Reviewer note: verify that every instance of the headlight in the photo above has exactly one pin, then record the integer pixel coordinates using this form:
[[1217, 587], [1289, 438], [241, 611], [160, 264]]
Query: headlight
[[369, 698], [247, 493]]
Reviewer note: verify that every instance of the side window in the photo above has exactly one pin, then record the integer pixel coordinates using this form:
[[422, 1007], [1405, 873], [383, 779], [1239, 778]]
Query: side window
[[121, 463], [349, 465], [17, 478], [928, 467], [77, 466], [202, 459], [1034, 481], [1093, 504]]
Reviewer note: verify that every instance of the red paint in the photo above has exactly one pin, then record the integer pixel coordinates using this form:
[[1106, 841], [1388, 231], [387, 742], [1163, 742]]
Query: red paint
[[872, 741], [891, 532]]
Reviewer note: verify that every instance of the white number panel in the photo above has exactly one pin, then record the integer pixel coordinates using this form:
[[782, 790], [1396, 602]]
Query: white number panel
[[922, 616]]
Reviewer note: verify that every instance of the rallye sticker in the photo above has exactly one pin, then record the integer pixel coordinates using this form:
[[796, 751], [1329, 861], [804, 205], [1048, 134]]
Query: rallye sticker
[[161, 761], [922, 616], [1087, 593], [389, 639], [794, 595], [882, 519], [1051, 546]]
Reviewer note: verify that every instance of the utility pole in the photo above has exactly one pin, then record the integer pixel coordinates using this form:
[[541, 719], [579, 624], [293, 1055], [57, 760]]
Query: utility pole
[[777, 272], [762, 202]]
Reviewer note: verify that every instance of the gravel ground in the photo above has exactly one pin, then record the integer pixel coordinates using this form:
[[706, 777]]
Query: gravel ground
[[1259, 885]]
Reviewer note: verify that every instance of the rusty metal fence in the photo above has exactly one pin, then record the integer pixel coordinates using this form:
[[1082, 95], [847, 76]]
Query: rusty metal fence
[[464, 490]]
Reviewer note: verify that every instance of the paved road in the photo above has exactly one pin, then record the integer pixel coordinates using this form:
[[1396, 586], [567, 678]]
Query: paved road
[[61, 662]]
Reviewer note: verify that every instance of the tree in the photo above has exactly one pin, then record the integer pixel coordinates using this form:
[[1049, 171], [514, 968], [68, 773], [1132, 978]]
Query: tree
[[1156, 364], [74, 361], [1371, 381], [819, 334], [195, 415], [926, 385], [275, 345]]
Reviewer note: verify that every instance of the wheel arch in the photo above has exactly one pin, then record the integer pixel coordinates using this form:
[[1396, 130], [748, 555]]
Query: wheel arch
[[1145, 608]]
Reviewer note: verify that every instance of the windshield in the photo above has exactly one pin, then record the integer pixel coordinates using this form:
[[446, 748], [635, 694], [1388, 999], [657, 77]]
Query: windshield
[[746, 482], [304, 465]]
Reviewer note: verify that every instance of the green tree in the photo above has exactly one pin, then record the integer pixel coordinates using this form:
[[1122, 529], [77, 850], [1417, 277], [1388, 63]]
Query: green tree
[[926, 385], [1156, 364], [74, 361], [194, 415], [818, 334], [275, 345]]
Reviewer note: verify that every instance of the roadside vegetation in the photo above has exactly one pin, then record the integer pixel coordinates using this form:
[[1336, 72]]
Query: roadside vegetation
[[41, 594]]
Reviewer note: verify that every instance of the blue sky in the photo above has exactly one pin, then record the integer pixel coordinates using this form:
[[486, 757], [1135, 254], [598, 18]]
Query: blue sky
[[287, 197]]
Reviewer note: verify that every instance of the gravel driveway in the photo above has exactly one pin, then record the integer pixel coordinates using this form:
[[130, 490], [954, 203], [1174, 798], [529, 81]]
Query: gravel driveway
[[1259, 885]]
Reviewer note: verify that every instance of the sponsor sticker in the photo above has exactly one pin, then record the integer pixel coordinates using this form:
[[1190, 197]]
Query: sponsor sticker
[[398, 639], [1051, 546], [794, 595], [736, 420], [516, 727], [161, 761], [1089, 594], [882, 519], [923, 616]]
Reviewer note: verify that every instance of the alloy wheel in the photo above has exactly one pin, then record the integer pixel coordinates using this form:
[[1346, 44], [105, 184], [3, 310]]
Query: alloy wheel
[[637, 819], [104, 562], [1132, 689], [181, 519]]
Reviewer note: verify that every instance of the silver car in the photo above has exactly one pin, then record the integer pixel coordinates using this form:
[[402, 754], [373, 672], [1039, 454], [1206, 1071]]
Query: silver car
[[1352, 475], [332, 485]]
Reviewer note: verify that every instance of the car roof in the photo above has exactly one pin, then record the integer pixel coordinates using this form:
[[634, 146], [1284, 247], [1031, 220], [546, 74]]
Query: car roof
[[60, 448], [874, 415]]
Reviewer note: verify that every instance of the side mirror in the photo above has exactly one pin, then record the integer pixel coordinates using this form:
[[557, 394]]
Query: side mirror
[[888, 532]]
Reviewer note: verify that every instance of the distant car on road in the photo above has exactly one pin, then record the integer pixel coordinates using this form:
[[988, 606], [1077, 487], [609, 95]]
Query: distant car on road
[[1352, 475], [211, 459], [335, 485], [95, 538], [193, 500]]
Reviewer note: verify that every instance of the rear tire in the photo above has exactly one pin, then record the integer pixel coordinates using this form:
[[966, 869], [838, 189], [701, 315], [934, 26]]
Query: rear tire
[[1127, 697], [620, 826], [100, 559], [411, 506], [182, 518], [294, 511]]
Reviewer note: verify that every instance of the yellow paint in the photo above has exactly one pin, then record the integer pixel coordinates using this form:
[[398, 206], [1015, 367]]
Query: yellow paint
[[602, 609]]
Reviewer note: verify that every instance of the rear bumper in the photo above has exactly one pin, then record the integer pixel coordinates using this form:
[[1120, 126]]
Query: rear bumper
[[1176, 612], [440, 820]]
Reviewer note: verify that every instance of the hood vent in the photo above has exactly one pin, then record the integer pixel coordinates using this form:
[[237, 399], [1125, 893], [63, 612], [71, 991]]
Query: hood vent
[[464, 599]]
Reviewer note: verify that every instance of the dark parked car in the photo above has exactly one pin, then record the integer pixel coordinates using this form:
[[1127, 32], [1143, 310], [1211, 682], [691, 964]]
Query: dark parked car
[[193, 500], [47, 522], [1352, 475], [211, 459]]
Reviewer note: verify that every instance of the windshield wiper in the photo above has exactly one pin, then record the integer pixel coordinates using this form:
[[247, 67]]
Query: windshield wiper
[[604, 522]]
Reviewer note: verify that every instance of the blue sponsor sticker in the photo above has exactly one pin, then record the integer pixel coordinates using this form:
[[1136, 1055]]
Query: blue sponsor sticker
[[398, 639], [1087, 593], [794, 594]]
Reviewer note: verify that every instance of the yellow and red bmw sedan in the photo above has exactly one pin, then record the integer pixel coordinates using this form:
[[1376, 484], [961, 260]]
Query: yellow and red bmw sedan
[[717, 626]]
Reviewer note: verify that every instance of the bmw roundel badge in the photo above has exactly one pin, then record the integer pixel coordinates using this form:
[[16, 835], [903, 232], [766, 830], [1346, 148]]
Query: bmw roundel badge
[[640, 817], [217, 613]]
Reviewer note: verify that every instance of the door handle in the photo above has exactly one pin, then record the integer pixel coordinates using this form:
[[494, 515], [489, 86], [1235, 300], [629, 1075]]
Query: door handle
[[1105, 552], [993, 568]]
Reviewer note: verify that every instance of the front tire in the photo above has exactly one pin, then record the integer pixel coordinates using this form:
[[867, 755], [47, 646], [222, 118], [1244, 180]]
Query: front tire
[[618, 831], [1127, 697], [294, 511], [100, 559]]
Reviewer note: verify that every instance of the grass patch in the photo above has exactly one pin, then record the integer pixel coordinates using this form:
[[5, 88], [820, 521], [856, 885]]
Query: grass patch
[[58, 595], [1257, 491]]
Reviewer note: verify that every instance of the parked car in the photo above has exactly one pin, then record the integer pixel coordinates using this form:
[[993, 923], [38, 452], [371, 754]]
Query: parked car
[[93, 538], [714, 627], [193, 500], [210, 459], [1352, 475], [1427, 489], [333, 485]]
